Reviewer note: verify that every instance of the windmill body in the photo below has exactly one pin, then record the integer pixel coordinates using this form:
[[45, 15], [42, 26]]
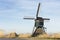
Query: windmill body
[[39, 24]]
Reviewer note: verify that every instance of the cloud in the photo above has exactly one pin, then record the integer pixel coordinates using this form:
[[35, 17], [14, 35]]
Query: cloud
[[7, 4], [50, 8]]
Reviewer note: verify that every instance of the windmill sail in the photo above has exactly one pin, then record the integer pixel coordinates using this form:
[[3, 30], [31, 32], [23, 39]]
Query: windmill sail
[[30, 18], [46, 19], [38, 10]]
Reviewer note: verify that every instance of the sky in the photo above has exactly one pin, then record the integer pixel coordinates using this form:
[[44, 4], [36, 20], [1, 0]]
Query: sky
[[12, 13]]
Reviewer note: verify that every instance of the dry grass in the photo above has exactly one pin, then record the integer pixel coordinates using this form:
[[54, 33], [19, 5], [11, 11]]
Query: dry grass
[[28, 35], [24, 35], [55, 35], [35, 38], [1, 34], [11, 35]]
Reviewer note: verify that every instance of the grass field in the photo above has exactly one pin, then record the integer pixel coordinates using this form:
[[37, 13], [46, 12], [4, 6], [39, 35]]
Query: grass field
[[44, 39], [40, 38], [32, 38]]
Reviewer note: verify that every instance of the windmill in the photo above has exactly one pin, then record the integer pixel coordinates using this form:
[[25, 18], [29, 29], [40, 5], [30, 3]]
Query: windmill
[[39, 24]]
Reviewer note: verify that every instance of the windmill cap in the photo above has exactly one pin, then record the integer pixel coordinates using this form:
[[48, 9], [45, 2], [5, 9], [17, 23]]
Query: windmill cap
[[39, 18]]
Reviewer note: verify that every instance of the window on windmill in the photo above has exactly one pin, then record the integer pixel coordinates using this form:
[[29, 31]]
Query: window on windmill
[[40, 23]]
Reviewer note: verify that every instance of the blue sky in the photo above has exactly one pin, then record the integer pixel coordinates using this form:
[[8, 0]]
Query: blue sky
[[13, 11]]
